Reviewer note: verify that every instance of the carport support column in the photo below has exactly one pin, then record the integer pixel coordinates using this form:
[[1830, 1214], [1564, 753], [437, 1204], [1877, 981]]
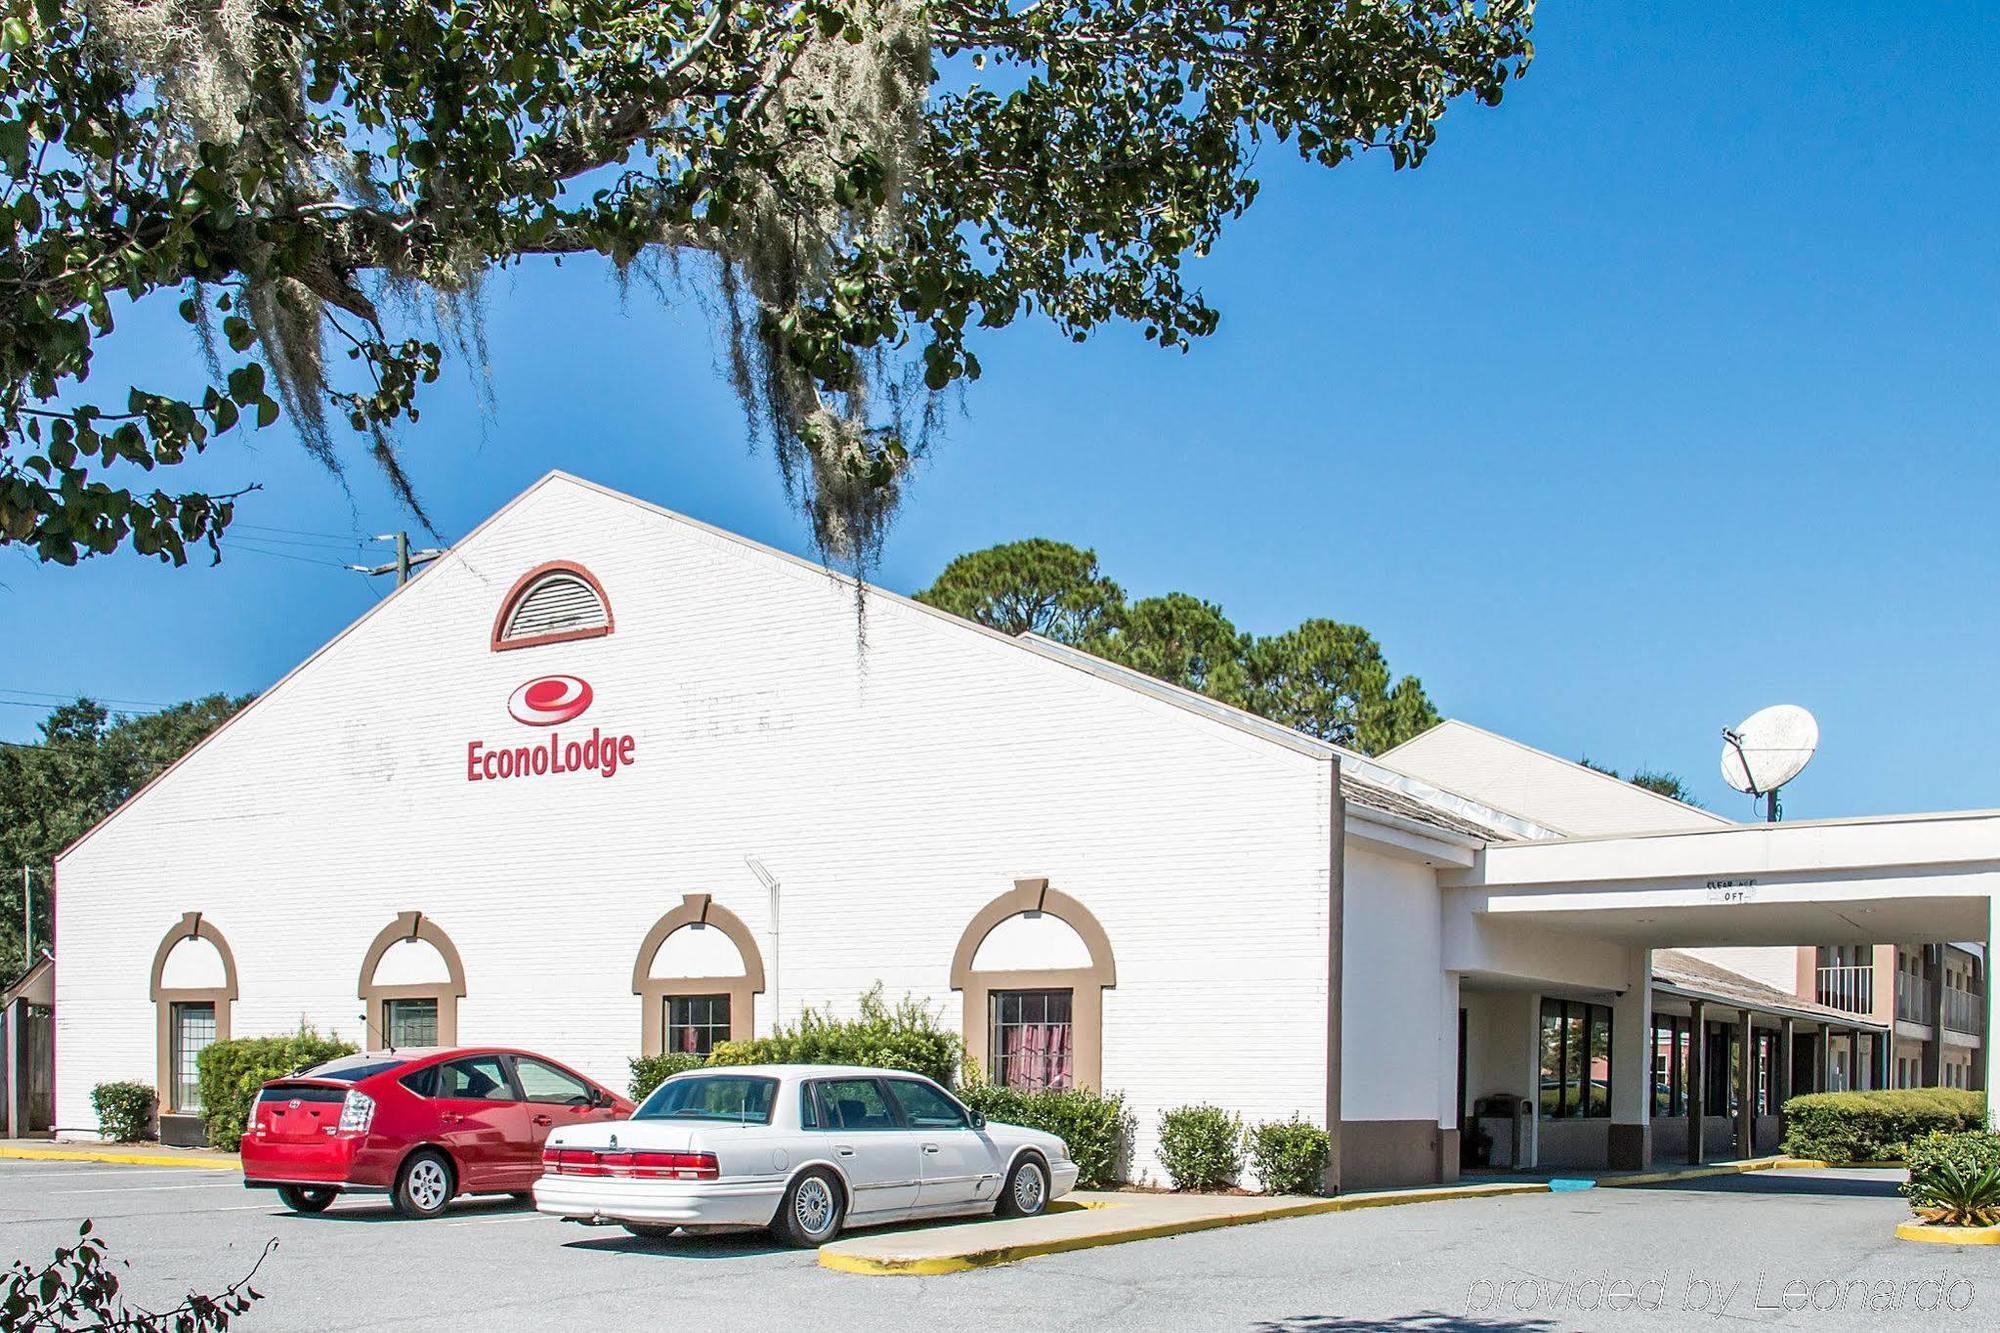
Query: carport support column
[[1781, 1077], [1697, 1076], [1632, 1067], [1983, 1058], [1746, 1085]]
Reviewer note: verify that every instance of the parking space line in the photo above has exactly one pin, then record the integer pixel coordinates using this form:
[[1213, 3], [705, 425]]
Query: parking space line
[[155, 1189], [111, 1171]]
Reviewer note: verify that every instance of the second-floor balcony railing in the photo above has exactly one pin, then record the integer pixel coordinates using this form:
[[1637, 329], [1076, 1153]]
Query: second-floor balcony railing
[[1851, 987], [1963, 1010], [1913, 998]]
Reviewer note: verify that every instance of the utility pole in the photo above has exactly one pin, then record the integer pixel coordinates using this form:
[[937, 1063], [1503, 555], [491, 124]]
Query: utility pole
[[406, 560], [27, 919]]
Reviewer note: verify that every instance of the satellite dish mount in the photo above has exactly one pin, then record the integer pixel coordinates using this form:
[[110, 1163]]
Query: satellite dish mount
[[1769, 749]]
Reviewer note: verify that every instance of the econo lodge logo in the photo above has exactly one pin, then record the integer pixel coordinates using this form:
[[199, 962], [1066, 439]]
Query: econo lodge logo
[[550, 701]]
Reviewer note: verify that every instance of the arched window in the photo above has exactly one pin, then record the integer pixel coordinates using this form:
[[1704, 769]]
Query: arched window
[[1034, 965], [193, 985], [552, 603], [411, 983], [696, 975]]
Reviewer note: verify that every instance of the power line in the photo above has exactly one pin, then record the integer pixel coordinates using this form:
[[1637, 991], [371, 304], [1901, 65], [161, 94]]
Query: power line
[[65, 698], [355, 538], [313, 543], [241, 549]]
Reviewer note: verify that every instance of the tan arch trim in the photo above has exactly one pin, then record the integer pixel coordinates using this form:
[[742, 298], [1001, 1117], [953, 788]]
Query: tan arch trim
[[1085, 984], [447, 993], [697, 909], [192, 925], [499, 643]]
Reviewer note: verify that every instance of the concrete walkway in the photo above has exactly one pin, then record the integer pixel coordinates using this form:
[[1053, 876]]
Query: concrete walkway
[[124, 1154]]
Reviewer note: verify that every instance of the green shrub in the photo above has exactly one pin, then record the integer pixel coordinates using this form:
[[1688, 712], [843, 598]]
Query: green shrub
[[1955, 1177], [1876, 1126], [1201, 1147], [1288, 1155], [909, 1037], [1096, 1126], [124, 1110], [650, 1071], [232, 1071]]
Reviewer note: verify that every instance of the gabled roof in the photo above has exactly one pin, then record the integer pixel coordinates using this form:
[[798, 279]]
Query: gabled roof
[[1562, 796], [1709, 981], [1368, 783], [36, 985]]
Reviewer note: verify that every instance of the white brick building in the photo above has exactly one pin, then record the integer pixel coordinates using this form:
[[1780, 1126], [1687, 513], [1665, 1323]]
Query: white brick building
[[1221, 894]]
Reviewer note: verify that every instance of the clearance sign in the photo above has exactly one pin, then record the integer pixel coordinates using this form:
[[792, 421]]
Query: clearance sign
[[550, 701]]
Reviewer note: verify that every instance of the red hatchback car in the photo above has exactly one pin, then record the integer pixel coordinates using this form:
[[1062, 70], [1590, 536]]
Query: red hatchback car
[[424, 1125]]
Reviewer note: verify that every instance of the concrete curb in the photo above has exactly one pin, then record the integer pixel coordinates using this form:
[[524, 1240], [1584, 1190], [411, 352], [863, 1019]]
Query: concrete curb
[[1719, 1169], [1934, 1235], [137, 1157], [987, 1256]]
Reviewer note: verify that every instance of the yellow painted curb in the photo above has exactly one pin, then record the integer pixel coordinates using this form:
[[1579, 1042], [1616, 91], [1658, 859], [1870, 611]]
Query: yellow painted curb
[[1720, 1169], [1923, 1231], [990, 1256], [119, 1158]]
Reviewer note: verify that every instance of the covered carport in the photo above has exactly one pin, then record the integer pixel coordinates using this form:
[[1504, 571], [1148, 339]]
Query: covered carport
[[1581, 918]]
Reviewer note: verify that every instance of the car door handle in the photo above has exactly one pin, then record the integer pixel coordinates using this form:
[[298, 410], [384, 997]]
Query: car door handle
[[451, 1119], [844, 1152], [930, 1147], [545, 1120]]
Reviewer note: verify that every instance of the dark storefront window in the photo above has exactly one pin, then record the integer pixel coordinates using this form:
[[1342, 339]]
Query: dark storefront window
[[1670, 1065], [1576, 1060]]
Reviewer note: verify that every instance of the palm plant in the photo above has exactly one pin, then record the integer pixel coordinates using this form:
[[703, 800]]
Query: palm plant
[[1957, 1195]]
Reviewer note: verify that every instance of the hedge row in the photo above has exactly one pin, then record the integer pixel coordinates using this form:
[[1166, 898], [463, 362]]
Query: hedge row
[[1876, 1126], [650, 1071], [1096, 1126], [231, 1072], [909, 1036], [1202, 1148]]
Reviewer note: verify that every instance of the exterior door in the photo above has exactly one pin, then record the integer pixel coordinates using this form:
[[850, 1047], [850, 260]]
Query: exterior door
[[956, 1165], [483, 1123], [869, 1141]]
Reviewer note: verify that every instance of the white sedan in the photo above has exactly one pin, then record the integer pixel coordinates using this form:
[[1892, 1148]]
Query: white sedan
[[802, 1149]]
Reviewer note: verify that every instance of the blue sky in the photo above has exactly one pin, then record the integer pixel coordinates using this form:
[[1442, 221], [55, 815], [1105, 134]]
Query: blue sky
[[1663, 392]]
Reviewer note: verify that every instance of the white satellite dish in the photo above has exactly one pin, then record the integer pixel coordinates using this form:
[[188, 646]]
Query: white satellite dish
[[1770, 748]]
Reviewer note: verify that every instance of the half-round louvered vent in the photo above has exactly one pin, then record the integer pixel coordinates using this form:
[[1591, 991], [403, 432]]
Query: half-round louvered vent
[[550, 605]]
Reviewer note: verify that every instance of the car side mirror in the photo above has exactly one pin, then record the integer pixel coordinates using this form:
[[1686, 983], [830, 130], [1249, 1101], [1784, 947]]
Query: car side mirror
[[978, 1120]]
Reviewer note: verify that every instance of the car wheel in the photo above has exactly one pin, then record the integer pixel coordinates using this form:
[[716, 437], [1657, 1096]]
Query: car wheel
[[301, 1200], [648, 1230], [812, 1211], [425, 1185], [1026, 1193]]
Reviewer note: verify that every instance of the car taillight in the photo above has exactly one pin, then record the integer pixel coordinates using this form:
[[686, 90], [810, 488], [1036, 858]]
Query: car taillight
[[356, 1113], [631, 1165]]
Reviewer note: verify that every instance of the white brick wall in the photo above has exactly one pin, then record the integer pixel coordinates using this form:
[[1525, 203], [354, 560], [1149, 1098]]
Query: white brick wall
[[893, 791]]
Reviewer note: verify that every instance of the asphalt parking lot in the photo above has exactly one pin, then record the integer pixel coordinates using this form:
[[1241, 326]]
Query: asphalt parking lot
[[1793, 1249]]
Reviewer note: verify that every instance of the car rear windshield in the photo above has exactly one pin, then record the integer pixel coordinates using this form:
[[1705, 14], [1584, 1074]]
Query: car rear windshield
[[353, 1068], [741, 1098]]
